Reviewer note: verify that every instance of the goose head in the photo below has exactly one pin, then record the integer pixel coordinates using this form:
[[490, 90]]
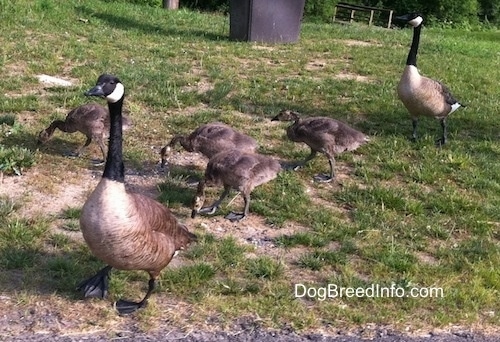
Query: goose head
[[413, 19], [108, 87], [286, 115]]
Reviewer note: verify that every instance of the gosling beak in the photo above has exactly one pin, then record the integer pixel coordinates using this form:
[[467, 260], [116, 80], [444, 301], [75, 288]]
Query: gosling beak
[[95, 91]]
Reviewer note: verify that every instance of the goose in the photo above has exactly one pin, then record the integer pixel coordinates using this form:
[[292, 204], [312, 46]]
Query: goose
[[234, 169], [91, 119], [209, 139], [321, 134], [423, 96], [127, 231]]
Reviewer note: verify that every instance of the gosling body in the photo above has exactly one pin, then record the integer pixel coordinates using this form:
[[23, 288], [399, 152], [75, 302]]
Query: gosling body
[[210, 139], [238, 170], [324, 135]]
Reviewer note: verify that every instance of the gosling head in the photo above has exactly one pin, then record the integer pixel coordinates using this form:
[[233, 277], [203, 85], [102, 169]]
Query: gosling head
[[413, 19], [43, 137], [286, 115], [198, 199]]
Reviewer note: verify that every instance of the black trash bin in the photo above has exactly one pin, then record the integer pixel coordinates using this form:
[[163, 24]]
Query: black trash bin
[[266, 21]]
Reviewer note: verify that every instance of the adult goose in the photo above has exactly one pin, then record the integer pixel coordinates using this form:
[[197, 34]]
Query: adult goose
[[234, 169], [210, 139], [421, 95], [91, 119], [321, 134], [125, 230]]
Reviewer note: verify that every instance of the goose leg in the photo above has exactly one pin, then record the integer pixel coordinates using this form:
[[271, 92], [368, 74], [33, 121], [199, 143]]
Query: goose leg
[[441, 141], [125, 307], [322, 178], [96, 286], [236, 217], [210, 210], [414, 132]]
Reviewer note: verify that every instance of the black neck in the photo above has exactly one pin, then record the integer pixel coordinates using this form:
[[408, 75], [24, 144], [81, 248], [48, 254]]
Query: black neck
[[114, 168], [412, 55]]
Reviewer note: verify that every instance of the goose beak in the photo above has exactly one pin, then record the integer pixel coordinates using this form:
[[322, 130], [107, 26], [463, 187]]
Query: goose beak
[[96, 91], [275, 118], [193, 213]]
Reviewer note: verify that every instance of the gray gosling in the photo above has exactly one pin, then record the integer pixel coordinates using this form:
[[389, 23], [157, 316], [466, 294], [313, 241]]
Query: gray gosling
[[210, 139], [234, 169], [91, 119], [321, 134], [420, 95]]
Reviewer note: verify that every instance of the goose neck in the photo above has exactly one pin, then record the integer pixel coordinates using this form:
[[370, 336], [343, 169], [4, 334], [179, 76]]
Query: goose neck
[[114, 168], [412, 55]]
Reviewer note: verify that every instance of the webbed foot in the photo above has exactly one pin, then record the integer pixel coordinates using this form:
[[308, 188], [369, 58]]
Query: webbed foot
[[125, 307], [96, 286], [322, 178], [235, 217]]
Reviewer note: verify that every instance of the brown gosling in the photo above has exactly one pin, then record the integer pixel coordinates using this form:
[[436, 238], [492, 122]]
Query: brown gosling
[[210, 139], [421, 95], [234, 169], [127, 231], [321, 134], [91, 119]]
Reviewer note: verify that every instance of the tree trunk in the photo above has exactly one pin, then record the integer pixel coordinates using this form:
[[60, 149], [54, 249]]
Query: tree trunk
[[171, 4]]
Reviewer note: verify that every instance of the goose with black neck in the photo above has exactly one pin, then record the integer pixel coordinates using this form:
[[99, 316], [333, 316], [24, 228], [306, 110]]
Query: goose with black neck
[[125, 230], [423, 96]]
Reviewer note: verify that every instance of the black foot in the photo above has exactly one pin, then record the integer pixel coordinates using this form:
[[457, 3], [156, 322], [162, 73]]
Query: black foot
[[97, 162], [440, 142], [208, 210], [235, 217], [125, 307], [322, 178], [71, 154], [96, 286], [413, 138]]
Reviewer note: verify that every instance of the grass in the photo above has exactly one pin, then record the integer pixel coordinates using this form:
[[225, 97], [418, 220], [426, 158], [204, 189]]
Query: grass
[[406, 213]]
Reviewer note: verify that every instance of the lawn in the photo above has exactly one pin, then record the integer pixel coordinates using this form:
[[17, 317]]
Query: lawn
[[400, 215]]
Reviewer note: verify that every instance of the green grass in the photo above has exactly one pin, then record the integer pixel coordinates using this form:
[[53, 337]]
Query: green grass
[[406, 213]]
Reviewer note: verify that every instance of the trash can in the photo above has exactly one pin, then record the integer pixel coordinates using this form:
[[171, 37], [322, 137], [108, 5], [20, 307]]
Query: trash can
[[266, 21]]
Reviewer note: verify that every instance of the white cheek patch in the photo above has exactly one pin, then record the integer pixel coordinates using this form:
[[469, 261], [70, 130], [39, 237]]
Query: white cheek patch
[[454, 107], [117, 94], [417, 21]]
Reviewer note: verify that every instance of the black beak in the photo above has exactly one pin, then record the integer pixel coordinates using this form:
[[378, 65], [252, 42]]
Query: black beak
[[193, 213], [96, 91], [275, 118]]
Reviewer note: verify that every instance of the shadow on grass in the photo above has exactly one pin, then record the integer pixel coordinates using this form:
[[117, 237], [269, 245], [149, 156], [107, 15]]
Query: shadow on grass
[[125, 23]]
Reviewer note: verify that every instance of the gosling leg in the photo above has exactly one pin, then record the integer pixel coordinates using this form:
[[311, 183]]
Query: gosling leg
[[236, 217], [96, 286], [125, 307], [210, 210], [297, 166], [323, 178]]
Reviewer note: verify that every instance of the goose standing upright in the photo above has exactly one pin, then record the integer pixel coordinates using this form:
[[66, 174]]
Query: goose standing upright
[[125, 230], [321, 134], [422, 95]]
